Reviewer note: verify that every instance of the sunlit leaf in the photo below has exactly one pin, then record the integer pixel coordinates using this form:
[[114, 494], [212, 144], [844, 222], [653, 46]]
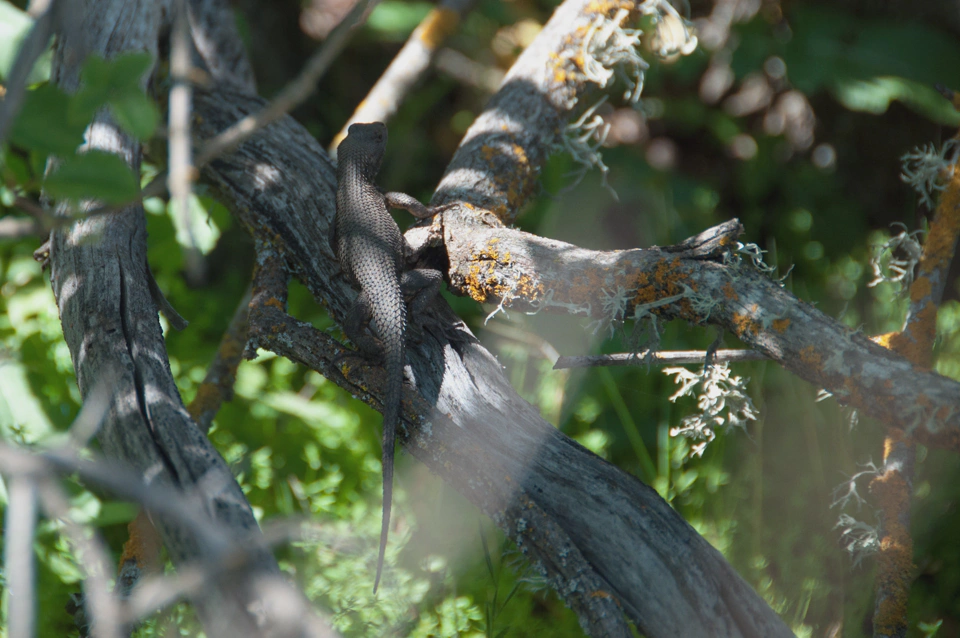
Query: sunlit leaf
[[94, 175], [45, 123], [135, 113]]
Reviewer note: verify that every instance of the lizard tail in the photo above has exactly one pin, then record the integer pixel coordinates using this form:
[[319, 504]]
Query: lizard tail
[[393, 365]]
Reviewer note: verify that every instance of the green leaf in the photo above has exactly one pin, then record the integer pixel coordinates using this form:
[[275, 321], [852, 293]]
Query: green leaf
[[394, 20], [875, 95], [45, 125], [14, 168], [831, 45], [117, 82], [135, 113], [94, 175], [117, 75], [22, 417]]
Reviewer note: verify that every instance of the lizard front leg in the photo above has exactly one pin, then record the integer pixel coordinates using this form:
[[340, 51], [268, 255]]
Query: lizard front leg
[[412, 205]]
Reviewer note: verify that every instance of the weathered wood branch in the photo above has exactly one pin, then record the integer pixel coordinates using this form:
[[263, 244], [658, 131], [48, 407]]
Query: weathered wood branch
[[530, 273], [893, 487], [468, 425], [493, 175]]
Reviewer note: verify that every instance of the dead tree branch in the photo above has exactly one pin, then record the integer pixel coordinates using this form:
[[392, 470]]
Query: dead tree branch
[[101, 283], [466, 423]]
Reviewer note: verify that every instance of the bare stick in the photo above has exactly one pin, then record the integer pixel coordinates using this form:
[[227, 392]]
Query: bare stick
[[289, 98], [113, 478], [33, 46], [293, 94], [409, 65], [646, 357], [217, 386], [894, 487], [468, 71], [19, 524], [181, 174], [158, 591], [283, 606], [92, 554], [19, 227]]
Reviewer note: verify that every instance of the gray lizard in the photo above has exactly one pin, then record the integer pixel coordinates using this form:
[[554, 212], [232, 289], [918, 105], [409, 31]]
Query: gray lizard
[[372, 254]]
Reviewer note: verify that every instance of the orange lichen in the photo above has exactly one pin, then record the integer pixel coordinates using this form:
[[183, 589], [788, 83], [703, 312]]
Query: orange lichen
[[275, 303], [781, 325], [944, 229], [811, 357], [947, 439], [437, 26], [483, 279], [143, 545], [208, 398], [744, 324], [528, 288], [662, 282], [920, 288], [609, 7], [851, 390], [730, 292], [884, 339], [892, 489], [512, 186], [894, 571]]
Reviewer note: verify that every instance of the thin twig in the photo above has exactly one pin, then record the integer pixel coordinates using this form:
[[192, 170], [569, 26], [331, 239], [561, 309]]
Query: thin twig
[[117, 479], [217, 386], [91, 553], [33, 46], [19, 227], [19, 525], [29, 206], [646, 357], [288, 99], [91, 415], [181, 174], [155, 592], [468, 71], [283, 606], [409, 65], [293, 94]]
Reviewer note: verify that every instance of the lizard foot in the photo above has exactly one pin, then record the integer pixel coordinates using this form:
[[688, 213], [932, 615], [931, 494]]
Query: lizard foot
[[361, 357]]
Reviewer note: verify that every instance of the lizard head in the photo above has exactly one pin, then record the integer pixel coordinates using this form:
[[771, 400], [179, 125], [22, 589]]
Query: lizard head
[[366, 144]]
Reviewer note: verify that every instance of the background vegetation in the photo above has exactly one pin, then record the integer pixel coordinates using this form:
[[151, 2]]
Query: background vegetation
[[793, 119]]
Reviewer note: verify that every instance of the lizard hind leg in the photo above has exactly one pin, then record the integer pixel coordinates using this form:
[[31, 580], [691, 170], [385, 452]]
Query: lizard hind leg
[[355, 326], [419, 287]]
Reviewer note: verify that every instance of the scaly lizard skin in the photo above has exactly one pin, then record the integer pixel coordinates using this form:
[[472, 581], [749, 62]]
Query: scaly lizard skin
[[371, 252]]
